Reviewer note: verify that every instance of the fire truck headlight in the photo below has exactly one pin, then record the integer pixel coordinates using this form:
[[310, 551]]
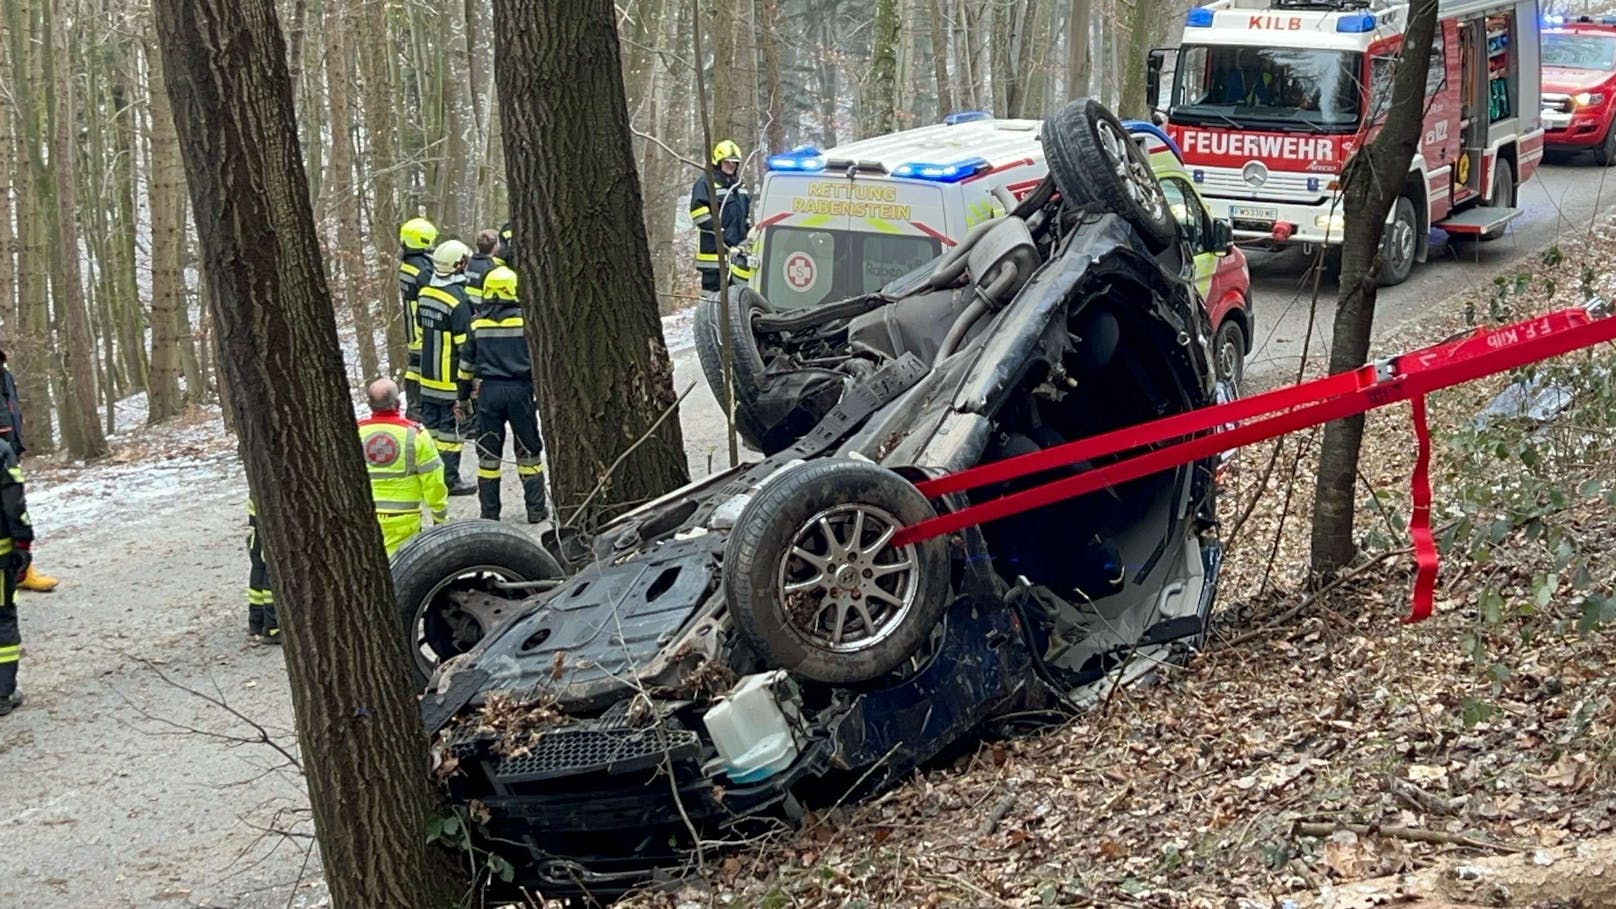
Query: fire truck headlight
[[1331, 224], [1587, 99]]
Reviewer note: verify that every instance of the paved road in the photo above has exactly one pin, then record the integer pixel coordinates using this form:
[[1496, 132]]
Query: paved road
[[1560, 201]]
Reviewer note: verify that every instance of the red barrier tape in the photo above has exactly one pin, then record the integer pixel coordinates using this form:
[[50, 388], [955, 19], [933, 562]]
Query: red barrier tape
[[1408, 377]]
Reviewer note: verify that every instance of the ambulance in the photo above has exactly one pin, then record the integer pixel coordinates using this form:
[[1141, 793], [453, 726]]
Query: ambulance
[[1270, 98], [847, 220]]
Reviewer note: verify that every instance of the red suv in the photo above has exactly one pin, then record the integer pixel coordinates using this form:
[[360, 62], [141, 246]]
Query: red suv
[[1579, 86]]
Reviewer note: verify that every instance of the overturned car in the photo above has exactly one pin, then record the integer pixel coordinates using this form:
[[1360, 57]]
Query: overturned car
[[721, 658]]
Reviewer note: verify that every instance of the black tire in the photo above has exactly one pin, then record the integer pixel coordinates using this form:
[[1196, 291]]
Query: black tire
[[1399, 245], [852, 500], [459, 556], [747, 368], [1503, 195], [1229, 352], [1605, 152], [1095, 162]]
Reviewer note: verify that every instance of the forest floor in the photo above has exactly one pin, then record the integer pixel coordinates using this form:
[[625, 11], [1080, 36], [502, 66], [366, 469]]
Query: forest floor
[[137, 775]]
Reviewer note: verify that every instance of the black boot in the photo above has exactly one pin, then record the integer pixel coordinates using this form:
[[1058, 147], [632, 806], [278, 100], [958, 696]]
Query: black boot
[[10, 702]]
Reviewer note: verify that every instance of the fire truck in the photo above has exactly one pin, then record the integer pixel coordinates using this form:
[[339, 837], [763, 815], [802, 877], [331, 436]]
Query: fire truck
[[1269, 98]]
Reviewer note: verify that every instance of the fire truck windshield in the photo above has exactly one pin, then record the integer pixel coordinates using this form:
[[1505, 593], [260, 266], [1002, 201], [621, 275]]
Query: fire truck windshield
[[1279, 88], [1574, 51]]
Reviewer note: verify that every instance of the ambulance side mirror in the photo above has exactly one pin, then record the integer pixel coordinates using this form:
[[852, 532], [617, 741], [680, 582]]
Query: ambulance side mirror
[[1153, 71], [1222, 236]]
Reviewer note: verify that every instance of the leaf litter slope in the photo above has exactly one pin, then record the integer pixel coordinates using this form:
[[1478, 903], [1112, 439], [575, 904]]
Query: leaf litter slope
[[1466, 735]]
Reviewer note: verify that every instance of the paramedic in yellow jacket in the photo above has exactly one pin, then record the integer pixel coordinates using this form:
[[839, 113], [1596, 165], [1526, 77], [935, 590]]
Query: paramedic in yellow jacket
[[404, 467]]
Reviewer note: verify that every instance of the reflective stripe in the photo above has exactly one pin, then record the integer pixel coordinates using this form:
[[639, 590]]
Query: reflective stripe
[[512, 322], [745, 274], [397, 506], [485, 473], [5, 546], [409, 450], [10, 654], [445, 445], [706, 257], [398, 474], [260, 596], [497, 332], [465, 374], [488, 463], [429, 466], [529, 470], [405, 268], [440, 516], [16, 473]]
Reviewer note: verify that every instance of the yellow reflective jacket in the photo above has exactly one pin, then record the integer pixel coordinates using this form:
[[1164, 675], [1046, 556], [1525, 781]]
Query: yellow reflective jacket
[[405, 473]]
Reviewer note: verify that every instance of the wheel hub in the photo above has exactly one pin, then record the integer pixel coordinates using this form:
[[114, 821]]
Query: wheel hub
[[850, 589]]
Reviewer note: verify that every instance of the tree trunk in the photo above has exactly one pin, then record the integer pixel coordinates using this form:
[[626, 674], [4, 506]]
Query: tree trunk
[[347, 253], [827, 85], [358, 724], [881, 83], [30, 342], [165, 194], [1371, 181], [1142, 19], [939, 61], [10, 194], [1078, 58], [603, 371], [381, 143], [78, 350], [774, 131], [131, 317]]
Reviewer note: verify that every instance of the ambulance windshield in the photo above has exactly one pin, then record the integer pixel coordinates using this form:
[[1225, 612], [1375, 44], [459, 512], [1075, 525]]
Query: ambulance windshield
[[1277, 88]]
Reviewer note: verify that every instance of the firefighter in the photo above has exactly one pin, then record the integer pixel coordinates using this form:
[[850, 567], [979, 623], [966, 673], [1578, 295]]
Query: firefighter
[[16, 543], [11, 432], [496, 357], [481, 263], [416, 237], [443, 315], [725, 219], [405, 469], [261, 622]]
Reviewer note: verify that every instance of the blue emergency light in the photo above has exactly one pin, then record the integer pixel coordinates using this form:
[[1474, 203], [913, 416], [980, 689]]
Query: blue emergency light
[[802, 159], [1199, 17], [940, 173], [1355, 23], [966, 116]]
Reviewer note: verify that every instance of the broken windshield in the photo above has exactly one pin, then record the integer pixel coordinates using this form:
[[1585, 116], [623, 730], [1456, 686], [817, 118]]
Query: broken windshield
[[1275, 88]]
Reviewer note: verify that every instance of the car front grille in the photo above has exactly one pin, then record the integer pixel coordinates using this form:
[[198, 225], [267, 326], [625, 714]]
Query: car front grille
[[576, 750], [1279, 187]]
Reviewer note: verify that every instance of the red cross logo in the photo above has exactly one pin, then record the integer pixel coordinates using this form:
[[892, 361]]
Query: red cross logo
[[381, 449]]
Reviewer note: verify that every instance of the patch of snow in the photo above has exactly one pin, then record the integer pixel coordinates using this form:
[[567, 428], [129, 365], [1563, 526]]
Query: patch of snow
[[678, 330]]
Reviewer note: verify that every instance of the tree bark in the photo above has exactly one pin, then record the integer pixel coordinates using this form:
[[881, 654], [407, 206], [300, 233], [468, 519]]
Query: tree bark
[[165, 195], [358, 725], [347, 252], [381, 159], [774, 130], [78, 351], [29, 343], [131, 317], [939, 61], [603, 372], [1371, 182], [1078, 57], [881, 84]]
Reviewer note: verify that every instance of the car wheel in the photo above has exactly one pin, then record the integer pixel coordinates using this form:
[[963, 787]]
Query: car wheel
[[444, 579], [813, 582], [1503, 196], [1399, 244], [746, 363], [1605, 152], [1229, 352], [1095, 162]]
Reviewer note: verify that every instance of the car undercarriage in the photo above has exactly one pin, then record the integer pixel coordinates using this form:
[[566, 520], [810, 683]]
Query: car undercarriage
[[715, 662]]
